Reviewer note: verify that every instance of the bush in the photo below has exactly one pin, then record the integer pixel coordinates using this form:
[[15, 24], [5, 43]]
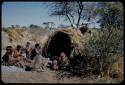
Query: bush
[[100, 54]]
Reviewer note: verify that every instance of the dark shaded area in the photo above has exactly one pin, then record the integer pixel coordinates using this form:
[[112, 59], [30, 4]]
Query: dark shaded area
[[84, 29], [59, 42]]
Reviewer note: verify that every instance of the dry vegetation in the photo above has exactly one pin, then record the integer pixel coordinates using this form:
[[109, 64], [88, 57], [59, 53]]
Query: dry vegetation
[[20, 36], [90, 61]]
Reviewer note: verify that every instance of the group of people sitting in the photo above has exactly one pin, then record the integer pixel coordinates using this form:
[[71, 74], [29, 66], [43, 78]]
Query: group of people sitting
[[31, 58]]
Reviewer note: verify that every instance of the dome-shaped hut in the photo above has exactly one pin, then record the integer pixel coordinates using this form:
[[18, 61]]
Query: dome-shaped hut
[[70, 41]]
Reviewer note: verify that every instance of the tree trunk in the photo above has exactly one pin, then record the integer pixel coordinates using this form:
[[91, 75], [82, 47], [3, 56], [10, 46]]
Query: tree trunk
[[70, 21], [79, 13]]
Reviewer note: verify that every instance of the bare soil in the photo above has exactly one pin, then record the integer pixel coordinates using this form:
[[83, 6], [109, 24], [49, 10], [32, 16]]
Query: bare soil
[[49, 77]]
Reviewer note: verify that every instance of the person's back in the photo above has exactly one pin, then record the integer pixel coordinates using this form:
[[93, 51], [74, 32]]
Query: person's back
[[38, 63]]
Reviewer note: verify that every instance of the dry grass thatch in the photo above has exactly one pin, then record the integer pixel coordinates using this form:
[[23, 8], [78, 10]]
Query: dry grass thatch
[[76, 40]]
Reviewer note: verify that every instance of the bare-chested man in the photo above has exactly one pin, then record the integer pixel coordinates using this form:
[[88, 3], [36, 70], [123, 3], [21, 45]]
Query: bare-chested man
[[8, 55], [17, 56], [63, 60]]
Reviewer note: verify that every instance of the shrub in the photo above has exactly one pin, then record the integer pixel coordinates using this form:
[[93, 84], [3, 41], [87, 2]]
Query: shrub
[[100, 53]]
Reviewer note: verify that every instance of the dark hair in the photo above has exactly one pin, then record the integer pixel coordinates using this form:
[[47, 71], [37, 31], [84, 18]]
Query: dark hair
[[19, 46], [36, 45], [8, 47], [83, 29], [28, 43]]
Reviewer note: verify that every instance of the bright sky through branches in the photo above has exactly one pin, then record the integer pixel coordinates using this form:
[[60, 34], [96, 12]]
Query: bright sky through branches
[[26, 13]]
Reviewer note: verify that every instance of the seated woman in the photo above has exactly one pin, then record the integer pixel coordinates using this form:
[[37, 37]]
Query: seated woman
[[27, 50], [37, 63], [35, 51]]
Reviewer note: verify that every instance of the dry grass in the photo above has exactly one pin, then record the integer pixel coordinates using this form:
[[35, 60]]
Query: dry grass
[[14, 34], [117, 69], [78, 40]]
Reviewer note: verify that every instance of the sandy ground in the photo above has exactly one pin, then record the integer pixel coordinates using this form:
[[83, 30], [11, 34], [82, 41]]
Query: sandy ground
[[48, 77], [34, 77]]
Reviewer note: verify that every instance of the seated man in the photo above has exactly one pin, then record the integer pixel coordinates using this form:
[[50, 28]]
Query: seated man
[[18, 57], [63, 60], [17, 52], [13, 57], [8, 55]]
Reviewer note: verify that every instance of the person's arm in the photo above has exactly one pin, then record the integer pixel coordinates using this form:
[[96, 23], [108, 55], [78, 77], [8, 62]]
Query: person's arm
[[37, 51], [40, 51], [12, 59], [4, 58], [15, 55]]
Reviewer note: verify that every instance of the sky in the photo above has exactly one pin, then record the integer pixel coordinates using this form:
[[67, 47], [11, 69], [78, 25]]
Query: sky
[[26, 13]]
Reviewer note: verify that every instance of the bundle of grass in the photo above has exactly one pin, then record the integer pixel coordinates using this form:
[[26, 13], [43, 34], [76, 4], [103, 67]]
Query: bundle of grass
[[14, 34]]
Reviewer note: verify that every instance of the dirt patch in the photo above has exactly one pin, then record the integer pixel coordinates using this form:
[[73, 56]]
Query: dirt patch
[[49, 77], [35, 77]]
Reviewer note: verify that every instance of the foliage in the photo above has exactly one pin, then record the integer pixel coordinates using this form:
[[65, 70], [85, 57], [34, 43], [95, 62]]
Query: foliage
[[111, 15], [75, 12], [34, 26], [100, 53], [49, 25]]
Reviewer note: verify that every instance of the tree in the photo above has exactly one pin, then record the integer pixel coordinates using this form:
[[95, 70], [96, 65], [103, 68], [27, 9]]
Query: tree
[[61, 26], [34, 26], [12, 26], [74, 12], [49, 25], [17, 26], [46, 24], [111, 15], [108, 47]]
